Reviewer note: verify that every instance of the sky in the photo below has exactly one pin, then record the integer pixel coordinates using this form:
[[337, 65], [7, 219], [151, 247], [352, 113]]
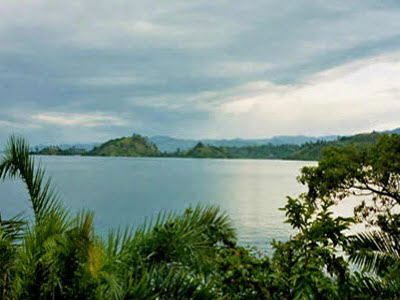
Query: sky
[[87, 71]]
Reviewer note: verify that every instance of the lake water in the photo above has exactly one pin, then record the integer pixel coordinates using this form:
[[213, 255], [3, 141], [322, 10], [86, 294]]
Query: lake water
[[124, 191]]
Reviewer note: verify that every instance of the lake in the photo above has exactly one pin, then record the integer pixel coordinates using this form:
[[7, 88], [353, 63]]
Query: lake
[[124, 191]]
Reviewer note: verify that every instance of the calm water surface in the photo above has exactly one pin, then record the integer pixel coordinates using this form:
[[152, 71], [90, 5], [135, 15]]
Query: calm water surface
[[123, 191]]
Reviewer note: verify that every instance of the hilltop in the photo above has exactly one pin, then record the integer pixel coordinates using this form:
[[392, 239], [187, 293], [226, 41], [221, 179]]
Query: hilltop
[[134, 145], [206, 151]]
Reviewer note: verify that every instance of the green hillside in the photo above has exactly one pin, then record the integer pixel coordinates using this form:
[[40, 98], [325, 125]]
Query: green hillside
[[135, 145], [307, 151]]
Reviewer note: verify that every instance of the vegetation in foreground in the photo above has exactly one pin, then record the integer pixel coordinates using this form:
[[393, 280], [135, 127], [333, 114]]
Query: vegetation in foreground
[[195, 256], [137, 145]]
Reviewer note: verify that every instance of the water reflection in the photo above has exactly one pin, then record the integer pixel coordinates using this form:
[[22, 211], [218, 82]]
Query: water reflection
[[124, 191]]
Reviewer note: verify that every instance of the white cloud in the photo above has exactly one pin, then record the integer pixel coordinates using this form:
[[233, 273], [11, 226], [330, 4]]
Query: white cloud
[[78, 119], [364, 94], [17, 125]]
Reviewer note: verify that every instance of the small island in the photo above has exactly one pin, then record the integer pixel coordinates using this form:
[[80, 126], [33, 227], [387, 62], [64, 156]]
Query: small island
[[56, 150]]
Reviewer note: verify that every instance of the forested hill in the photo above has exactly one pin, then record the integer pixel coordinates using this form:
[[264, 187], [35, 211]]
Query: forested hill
[[135, 145], [307, 151], [313, 151]]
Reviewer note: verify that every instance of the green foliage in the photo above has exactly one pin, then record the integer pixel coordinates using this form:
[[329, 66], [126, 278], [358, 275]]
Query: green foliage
[[242, 274], [309, 265], [370, 172]]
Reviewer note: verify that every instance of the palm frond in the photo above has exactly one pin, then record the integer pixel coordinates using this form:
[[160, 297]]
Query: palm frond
[[12, 229], [188, 239], [109, 287], [164, 282], [373, 287], [374, 251], [216, 225], [17, 162]]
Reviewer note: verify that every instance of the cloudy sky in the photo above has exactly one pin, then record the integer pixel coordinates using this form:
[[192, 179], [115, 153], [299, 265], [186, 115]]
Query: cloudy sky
[[85, 71]]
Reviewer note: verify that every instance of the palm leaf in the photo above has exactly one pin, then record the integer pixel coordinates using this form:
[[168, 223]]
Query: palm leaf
[[12, 229], [374, 251], [17, 162]]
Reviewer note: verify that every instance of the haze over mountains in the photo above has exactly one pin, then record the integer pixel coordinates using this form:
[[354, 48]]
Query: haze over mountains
[[170, 144]]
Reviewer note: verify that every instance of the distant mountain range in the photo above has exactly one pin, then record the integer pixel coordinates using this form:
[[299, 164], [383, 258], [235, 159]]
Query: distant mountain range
[[139, 146], [170, 144]]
